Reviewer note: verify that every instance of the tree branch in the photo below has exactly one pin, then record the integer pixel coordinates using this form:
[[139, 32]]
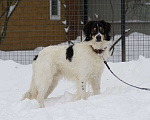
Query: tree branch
[[113, 46], [8, 15], [69, 41]]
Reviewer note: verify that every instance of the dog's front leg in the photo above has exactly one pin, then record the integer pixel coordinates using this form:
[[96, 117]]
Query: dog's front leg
[[96, 85], [82, 89]]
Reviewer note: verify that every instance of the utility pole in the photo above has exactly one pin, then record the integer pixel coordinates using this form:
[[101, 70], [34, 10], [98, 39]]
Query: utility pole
[[123, 43]]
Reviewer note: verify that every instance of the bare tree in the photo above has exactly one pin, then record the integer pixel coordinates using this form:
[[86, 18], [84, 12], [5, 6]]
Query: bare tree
[[67, 22], [137, 8], [7, 13], [134, 8]]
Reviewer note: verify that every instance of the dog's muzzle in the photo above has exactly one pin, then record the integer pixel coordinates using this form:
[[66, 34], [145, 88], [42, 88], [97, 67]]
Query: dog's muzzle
[[98, 38]]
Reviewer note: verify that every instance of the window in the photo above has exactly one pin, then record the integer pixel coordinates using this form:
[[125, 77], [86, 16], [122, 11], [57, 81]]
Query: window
[[55, 10]]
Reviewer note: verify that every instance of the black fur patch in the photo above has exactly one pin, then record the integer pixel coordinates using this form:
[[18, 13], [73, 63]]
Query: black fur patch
[[69, 53], [35, 57]]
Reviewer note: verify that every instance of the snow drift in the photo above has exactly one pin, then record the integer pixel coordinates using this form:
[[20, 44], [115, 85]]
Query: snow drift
[[116, 101]]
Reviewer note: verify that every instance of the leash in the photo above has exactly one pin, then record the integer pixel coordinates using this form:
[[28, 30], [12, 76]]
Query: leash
[[148, 89]]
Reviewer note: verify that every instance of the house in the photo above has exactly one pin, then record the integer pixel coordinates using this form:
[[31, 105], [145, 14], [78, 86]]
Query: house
[[37, 23]]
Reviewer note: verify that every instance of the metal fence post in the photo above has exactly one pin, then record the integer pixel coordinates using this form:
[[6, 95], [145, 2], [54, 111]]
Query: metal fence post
[[123, 44], [85, 11]]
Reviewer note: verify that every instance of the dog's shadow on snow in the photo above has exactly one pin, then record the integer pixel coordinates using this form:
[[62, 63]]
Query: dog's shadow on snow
[[66, 98], [49, 102]]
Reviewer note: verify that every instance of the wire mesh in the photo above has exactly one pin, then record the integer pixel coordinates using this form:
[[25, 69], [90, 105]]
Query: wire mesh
[[29, 25]]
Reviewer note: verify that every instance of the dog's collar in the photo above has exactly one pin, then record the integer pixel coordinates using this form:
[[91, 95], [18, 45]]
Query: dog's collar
[[98, 51]]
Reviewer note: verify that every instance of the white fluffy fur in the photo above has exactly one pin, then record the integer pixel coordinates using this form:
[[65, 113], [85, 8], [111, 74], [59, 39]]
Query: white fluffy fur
[[51, 65]]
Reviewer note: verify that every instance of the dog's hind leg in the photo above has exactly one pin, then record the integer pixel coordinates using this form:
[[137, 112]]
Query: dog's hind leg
[[42, 90], [41, 95], [52, 87]]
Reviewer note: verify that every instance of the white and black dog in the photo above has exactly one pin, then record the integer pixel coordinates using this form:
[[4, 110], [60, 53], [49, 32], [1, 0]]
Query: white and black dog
[[81, 63]]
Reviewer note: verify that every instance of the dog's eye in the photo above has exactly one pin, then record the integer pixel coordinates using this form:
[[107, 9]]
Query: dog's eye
[[101, 30], [93, 31]]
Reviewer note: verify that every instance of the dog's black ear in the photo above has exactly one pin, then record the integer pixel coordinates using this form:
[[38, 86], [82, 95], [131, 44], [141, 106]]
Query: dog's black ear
[[88, 38], [87, 28], [107, 26]]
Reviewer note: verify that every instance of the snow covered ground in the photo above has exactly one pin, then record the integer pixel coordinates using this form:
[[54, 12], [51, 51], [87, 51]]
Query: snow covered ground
[[116, 101]]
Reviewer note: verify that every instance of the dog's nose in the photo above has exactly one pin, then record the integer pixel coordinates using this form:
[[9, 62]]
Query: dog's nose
[[98, 38]]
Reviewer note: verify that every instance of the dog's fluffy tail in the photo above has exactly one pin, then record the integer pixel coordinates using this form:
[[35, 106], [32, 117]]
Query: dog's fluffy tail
[[30, 95], [27, 95]]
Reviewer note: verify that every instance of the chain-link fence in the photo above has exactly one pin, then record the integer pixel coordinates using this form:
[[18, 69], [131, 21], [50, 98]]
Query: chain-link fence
[[26, 26]]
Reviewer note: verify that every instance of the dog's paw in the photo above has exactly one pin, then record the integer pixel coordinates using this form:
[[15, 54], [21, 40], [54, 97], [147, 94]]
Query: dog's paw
[[41, 105], [76, 97], [84, 97]]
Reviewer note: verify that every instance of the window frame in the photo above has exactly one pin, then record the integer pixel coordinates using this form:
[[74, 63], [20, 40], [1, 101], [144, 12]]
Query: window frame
[[55, 17]]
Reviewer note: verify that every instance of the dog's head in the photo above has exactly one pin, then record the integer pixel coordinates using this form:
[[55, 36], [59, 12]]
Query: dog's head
[[97, 30]]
